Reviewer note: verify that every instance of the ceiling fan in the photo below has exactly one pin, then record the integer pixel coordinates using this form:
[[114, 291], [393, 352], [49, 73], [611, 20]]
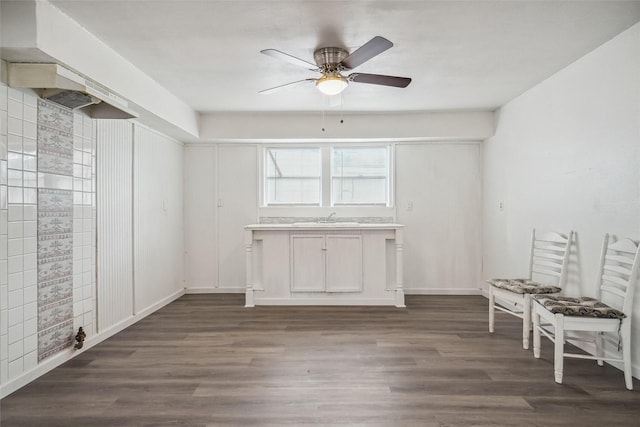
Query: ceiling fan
[[333, 61]]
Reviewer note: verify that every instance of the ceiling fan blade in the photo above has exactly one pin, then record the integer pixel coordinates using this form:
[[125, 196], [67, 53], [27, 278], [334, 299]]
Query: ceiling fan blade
[[290, 59], [277, 88], [373, 47], [379, 79]]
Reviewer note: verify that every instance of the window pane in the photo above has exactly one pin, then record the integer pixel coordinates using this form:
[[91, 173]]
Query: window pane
[[292, 176], [360, 175]]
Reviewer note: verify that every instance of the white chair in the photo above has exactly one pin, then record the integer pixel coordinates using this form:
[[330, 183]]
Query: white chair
[[548, 260], [610, 313]]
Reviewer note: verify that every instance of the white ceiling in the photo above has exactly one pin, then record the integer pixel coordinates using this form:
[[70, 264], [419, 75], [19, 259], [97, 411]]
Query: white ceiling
[[462, 55]]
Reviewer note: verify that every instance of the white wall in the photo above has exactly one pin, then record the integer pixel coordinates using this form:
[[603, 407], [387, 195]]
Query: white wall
[[438, 200], [141, 249], [200, 195], [238, 205], [158, 188], [566, 155], [442, 237], [140, 221], [115, 207], [221, 197], [357, 127]]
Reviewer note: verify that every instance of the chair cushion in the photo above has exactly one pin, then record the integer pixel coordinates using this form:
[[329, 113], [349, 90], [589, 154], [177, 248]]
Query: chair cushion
[[584, 306], [524, 286]]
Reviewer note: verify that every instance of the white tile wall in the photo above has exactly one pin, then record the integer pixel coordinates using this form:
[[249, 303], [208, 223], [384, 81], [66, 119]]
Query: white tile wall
[[20, 122], [84, 211], [15, 246], [18, 228], [4, 215]]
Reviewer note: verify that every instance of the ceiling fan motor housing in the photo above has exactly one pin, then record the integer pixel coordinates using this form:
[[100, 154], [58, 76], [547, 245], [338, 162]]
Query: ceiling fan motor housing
[[329, 58]]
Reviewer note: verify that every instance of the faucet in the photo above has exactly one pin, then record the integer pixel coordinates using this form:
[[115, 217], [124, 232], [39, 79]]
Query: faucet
[[330, 218]]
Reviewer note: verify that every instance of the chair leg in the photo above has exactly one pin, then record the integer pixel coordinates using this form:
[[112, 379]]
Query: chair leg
[[536, 334], [526, 321], [492, 309], [625, 333], [558, 352], [599, 349]]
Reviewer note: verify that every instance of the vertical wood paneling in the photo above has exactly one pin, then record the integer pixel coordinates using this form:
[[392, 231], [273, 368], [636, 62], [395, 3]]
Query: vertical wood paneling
[[158, 217], [114, 222]]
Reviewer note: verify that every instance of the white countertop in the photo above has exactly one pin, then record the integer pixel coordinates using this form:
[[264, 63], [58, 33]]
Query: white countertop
[[323, 226]]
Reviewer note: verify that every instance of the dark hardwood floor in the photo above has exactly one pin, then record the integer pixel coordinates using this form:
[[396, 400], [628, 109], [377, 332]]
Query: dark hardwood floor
[[205, 360]]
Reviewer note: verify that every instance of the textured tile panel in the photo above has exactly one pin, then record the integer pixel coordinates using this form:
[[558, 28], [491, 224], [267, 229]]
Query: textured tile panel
[[54, 339], [55, 139], [55, 230]]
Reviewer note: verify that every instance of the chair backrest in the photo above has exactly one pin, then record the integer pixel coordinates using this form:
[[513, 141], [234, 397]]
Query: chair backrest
[[618, 273], [549, 257]]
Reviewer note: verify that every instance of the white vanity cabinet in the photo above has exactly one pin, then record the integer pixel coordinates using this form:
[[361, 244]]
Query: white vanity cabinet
[[324, 264]]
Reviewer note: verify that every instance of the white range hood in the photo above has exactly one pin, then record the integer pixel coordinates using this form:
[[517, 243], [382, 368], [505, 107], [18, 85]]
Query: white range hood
[[65, 87]]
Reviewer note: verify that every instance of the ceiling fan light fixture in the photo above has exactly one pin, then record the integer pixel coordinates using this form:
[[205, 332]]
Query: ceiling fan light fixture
[[332, 61], [332, 84]]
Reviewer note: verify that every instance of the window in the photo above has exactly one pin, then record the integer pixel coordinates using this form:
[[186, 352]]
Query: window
[[292, 176], [327, 176], [359, 176]]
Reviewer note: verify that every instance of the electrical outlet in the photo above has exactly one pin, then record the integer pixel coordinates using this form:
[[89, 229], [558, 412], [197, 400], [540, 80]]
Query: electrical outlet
[[409, 206], [501, 206]]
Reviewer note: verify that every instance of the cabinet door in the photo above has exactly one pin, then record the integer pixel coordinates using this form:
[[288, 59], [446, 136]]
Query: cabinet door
[[307, 263], [344, 263]]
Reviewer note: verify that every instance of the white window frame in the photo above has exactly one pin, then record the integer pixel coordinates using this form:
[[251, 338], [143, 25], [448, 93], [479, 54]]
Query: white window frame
[[263, 176], [387, 201], [326, 207]]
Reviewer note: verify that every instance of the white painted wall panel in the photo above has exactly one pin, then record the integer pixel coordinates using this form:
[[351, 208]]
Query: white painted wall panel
[[201, 267], [442, 240], [408, 126], [114, 222], [565, 156], [238, 194], [158, 179], [438, 200]]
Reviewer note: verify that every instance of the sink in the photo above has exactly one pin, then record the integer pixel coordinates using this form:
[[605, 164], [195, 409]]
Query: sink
[[326, 224]]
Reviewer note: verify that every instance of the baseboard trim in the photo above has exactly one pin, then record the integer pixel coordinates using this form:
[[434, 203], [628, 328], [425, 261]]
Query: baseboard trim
[[326, 301], [442, 291], [54, 361], [212, 290]]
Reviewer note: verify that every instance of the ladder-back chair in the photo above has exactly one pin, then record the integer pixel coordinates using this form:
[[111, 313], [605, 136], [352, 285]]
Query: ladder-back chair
[[548, 260], [608, 316]]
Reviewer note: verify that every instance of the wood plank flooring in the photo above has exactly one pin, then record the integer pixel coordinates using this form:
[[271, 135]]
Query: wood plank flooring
[[205, 360]]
